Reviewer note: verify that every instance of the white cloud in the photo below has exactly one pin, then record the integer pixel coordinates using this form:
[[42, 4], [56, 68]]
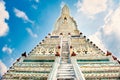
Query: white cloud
[[109, 33], [37, 1], [7, 49], [22, 15], [3, 68], [107, 17], [107, 36], [96, 38], [112, 23], [3, 15], [91, 7], [34, 6], [31, 33], [62, 4]]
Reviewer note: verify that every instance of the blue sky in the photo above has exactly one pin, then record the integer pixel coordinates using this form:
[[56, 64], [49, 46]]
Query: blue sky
[[24, 23]]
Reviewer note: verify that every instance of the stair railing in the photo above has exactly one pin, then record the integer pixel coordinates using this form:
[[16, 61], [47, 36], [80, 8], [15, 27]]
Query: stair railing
[[53, 73], [78, 72], [61, 42]]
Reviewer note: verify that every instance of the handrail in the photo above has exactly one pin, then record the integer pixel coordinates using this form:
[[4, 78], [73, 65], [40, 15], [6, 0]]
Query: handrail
[[53, 73], [69, 48], [61, 42], [78, 72]]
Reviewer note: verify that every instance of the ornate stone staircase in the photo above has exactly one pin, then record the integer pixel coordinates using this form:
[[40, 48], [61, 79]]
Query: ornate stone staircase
[[65, 69]]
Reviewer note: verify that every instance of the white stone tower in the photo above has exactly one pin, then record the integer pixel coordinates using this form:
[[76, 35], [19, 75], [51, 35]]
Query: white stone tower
[[65, 54]]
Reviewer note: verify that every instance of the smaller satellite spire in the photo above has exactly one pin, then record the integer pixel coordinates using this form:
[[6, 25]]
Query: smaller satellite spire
[[65, 10]]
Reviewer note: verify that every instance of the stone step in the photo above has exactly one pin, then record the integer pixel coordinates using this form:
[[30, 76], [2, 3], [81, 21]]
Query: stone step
[[65, 47], [66, 77], [65, 72], [65, 52], [64, 58], [64, 62], [64, 55], [69, 74], [65, 69], [65, 66], [73, 78]]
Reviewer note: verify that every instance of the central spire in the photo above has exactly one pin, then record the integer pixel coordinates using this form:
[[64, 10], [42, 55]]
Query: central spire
[[65, 10], [65, 23]]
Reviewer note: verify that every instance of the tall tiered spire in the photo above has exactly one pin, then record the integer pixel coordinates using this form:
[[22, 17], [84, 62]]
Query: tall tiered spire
[[65, 10], [65, 23]]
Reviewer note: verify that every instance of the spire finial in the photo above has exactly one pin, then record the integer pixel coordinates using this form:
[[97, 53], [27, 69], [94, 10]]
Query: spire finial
[[65, 10]]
